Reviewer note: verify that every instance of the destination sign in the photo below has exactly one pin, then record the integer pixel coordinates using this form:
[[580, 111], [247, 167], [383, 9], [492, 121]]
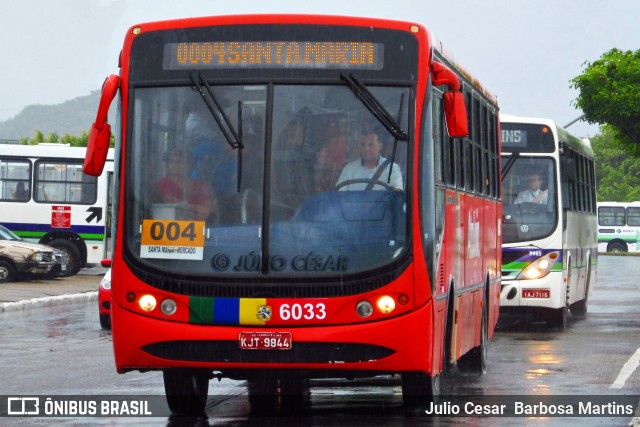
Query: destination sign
[[514, 137], [274, 54], [524, 137]]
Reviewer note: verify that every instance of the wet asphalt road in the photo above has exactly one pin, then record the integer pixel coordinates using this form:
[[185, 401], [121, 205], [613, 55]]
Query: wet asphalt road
[[61, 350]]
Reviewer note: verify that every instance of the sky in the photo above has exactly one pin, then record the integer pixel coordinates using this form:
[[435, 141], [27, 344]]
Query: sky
[[524, 51]]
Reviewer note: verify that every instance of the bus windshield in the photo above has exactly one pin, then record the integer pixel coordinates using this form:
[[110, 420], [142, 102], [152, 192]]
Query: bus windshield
[[530, 198], [264, 178]]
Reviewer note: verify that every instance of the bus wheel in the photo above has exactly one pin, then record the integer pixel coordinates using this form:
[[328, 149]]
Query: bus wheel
[[557, 318], [186, 390], [7, 271], [105, 321], [418, 389], [476, 359], [617, 247], [71, 255]]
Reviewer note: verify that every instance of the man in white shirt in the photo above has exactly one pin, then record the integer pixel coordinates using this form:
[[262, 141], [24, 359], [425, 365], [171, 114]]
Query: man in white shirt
[[367, 167], [533, 194]]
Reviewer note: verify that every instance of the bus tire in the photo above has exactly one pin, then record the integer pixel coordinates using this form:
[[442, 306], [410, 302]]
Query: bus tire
[[71, 254], [617, 247], [7, 271], [557, 318], [186, 390], [419, 388], [105, 321]]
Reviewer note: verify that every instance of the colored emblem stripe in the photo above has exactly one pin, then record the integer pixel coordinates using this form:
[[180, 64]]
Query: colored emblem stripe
[[227, 311], [200, 310], [249, 308]]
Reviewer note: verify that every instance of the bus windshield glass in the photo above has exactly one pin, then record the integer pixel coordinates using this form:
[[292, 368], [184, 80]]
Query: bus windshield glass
[[530, 198], [270, 179]]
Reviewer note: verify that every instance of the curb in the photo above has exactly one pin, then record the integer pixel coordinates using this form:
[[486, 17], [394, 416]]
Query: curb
[[48, 301]]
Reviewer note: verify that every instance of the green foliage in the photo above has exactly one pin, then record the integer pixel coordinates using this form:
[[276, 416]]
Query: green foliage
[[617, 172], [54, 138], [610, 93]]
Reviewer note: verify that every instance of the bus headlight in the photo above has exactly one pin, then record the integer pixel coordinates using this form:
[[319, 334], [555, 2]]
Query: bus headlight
[[168, 307], [364, 309], [540, 267], [147, 302], [386, 304]]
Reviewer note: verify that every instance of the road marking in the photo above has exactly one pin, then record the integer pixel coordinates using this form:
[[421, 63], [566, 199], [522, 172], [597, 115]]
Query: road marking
[[627, 370]]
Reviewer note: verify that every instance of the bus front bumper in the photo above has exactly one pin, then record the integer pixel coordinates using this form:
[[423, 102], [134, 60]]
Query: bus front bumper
[[398, 344], [531, 293]]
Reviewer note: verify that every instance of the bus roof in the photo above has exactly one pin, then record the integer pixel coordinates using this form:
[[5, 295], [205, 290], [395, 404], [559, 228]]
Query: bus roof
[[47, 150], [621, 204], [445, 55]]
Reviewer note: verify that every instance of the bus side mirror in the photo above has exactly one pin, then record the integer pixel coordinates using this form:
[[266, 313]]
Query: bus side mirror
[[455, 113], [455, 110], [100, 135]]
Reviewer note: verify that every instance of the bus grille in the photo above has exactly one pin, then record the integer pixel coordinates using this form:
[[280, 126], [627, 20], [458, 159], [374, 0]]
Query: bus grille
[[296, 288], [302, 352], [511, 256]]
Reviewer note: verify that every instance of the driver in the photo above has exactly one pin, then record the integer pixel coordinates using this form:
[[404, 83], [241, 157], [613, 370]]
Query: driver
[[370, 166], [533, 194]]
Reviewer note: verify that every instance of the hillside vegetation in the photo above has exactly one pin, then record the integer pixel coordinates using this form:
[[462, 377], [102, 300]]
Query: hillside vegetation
[[73, 117]]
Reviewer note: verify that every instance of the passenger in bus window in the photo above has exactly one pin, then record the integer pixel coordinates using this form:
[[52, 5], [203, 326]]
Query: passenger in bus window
[[533, 194], [329, 163], [21, 193], [370, 166], [179, 188]]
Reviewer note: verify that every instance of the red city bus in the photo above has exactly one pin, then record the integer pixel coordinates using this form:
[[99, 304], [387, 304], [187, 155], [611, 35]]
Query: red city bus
[[300, 197]]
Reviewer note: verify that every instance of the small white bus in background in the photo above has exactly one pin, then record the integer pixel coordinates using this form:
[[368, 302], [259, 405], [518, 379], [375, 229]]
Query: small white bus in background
[[46, 198], [549, 230], [618, 227]]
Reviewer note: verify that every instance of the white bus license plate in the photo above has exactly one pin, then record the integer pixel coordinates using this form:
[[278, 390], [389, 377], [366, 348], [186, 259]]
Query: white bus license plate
[[265, 340], [535, 293]]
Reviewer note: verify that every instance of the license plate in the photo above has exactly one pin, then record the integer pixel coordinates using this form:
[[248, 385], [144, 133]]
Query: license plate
[[265, 340], [536, 293]]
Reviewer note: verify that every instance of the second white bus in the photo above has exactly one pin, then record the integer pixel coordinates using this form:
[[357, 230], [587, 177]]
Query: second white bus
[[46, 198], [618, 227], [549, 251]]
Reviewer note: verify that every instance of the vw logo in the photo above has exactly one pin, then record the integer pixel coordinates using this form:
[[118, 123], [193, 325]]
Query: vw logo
[[524, 228]]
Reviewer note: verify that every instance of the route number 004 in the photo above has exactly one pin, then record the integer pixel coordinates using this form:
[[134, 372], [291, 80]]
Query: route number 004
[[172, 231]]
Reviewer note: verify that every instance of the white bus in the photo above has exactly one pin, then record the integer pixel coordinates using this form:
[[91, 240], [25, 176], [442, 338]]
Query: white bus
[[549, 230], [45, 197], [618, 227]]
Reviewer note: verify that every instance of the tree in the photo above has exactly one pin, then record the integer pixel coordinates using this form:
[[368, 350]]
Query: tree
[[610, 94], [617, 173], [54, 138]]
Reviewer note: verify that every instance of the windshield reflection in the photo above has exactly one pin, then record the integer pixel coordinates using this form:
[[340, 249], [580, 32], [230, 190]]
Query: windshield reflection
[[311, 182], [529, 195]]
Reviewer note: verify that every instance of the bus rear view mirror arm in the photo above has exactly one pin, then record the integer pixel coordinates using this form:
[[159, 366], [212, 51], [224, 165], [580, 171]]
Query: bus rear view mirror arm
[[100, 135]]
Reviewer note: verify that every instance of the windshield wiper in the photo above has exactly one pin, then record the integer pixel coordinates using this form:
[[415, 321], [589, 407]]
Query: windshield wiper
[[507, 167], [233, 137], [395, 140], [375, 107]]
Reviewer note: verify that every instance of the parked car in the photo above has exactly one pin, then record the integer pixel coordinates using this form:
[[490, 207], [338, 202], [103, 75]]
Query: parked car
[[104, 299], [19, 257]]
